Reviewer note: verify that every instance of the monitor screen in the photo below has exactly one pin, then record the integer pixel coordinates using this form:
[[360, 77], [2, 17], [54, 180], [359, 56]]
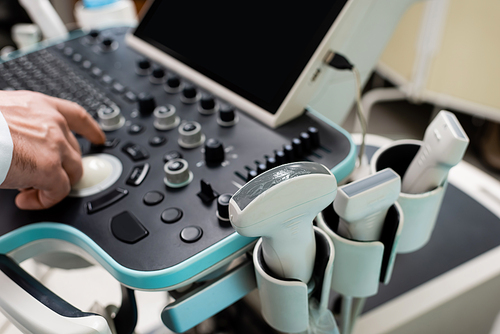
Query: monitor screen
[[256, 49]]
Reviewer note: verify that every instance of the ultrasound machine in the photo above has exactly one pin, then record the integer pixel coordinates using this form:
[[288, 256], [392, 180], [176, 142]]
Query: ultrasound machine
[[196, 101]]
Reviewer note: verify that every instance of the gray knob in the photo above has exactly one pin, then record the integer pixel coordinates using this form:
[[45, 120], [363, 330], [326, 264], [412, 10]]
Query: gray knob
[[165, 117], [177, 173], [190, 135], [110, 118]]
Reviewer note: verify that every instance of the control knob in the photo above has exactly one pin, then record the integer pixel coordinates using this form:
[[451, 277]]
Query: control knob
[[214, 152], [223, 207], [190, 135], [108, 44], [207, 105], [189, 94], [147, 103], [158, 76], [177, 173], [110, 118], [173, 85], [143, 67], [165, 118], [227, 116]]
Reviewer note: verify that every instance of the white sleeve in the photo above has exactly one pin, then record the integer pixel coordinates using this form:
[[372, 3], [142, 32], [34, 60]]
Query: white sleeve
[[6, 148]]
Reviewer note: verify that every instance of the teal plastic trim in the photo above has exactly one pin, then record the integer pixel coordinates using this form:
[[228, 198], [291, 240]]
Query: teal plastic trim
[[191, 309], [346, 166], [157, 279]]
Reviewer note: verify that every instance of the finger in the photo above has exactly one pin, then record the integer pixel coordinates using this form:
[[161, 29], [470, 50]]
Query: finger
[[79, 120], [70, 137], [72, 163], [38, 199]]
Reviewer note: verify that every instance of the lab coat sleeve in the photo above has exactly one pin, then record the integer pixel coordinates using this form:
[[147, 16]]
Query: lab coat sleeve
[[6, 148]]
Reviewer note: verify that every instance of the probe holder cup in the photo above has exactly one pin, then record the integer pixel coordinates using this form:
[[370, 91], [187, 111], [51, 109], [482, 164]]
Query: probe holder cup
[[285, 303], [361, 265], [420, 210]]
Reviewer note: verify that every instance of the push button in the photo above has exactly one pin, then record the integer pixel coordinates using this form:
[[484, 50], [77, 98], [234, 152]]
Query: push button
[[171, 215], [127, 228], [135, 152], [191, 234], [106, 200], [138, 175], [135, 129], [153, 198]]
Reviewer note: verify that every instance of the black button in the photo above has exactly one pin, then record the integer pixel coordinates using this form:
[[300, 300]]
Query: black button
[[138, 175], [191, 233], [130, 96], [135, 152], [68, 51], [111, 142], [157, 140], [135, 129], [96, 72], [118, 88], [171, 215], [172, 155], [144, 64], [158, 73], [106, 200], [173, 82], [251, 175], [153, 198], [77, 58], [87, 64], [314, 135], [127, 228], [106, 79]]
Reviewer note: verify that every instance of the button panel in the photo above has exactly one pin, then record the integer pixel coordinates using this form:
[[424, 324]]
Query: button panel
[[144, 139]]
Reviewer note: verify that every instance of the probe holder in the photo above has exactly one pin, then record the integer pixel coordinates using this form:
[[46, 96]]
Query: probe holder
[[420, 210], [361, 265], [285, 303]]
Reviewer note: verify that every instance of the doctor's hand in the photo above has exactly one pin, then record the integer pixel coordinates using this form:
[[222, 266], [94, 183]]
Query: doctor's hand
[[46, 158]]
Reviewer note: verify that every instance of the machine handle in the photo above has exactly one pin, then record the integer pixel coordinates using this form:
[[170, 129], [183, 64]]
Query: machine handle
[[33, 308]]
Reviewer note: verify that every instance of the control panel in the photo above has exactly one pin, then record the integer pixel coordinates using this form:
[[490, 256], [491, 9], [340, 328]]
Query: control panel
[[156, 193]]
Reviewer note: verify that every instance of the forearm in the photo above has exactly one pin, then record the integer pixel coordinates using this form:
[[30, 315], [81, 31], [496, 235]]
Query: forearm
[[6, 148]]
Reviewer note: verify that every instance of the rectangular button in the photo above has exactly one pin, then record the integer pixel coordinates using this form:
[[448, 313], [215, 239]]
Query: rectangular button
[[135, 152], [138, 175], [106, 200]]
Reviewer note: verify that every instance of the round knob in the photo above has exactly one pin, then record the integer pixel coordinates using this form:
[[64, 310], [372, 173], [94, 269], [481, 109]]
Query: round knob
[[94, 34], [177, 173], [271, 163], [108, 44], [207, 105], [191, 135], [173, 85], [289, 153], [314, 134], [298, 148], [147, 103], [93, 37], [214, 152], [189, 94], [110, 118], [280, 157], [158, 76], [143, 67], [227, 116], [261, 168], [165, 118], [223, 207], [251, 174], [306, 141]]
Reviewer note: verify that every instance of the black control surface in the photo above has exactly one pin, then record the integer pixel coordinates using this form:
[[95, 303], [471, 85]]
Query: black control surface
[[139, 221]]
